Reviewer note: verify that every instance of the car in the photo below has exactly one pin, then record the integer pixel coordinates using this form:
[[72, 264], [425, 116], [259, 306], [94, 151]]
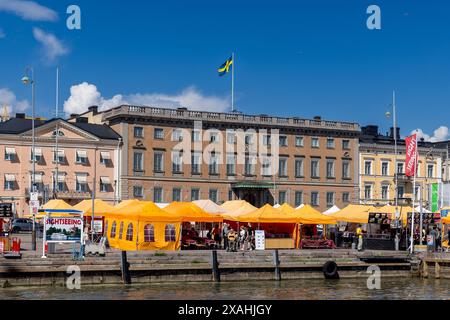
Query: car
[[19, 225]]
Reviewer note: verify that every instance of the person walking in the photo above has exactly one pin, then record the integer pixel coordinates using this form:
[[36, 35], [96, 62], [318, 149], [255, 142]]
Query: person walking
[[250, 237], [225, 231], [242, 238], [359, 235], [232, 237]]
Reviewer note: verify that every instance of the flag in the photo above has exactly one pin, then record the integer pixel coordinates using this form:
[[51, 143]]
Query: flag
[[225, 67], [411, 156]]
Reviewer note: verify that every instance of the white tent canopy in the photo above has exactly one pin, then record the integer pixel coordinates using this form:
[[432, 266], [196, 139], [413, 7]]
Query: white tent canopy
[[162, 205], [300, 206], [209, 206], [277, 206], [333, 209], [423, 210]]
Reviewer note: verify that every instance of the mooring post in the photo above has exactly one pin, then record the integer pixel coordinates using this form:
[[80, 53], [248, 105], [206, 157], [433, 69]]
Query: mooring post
[[215, 266], [437, 269], [125, 268], [276, 261], [425, 269]]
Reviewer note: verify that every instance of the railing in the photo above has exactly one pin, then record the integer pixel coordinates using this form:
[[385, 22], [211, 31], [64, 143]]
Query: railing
[[227, 117]]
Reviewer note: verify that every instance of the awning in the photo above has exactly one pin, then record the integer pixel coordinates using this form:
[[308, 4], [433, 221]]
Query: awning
[[253, 185], [105, 155], [10, 151], [105, 180], [60, 153], [37, 152], [81, 154], [82, 178], [10, 177]]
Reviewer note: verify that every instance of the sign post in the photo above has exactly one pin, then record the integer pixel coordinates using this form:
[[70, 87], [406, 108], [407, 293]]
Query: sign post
[[260, 240]]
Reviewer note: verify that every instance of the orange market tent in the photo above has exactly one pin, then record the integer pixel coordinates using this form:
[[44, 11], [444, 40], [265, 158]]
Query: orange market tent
[[285, 208], [143, 226], [267, 214], [446, 220], [125, 203], [209, 206], [353, 213], [54, 204], [101, 208], [309, 215], [189, 212], [237, 208]]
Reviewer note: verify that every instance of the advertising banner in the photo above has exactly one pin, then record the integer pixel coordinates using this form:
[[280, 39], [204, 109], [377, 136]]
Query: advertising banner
[[434, 197], [63, 229], [411, 155]]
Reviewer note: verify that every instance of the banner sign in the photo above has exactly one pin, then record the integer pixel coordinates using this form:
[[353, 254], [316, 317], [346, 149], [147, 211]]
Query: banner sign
[[434, 197], [379, 218], [63, 229], [444, 213], [6, 210], [427, 218], [260, 240], [98, 226], [411, 156]]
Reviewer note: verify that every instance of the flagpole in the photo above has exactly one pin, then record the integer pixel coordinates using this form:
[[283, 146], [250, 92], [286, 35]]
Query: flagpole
[[414, 196], [232, 83]]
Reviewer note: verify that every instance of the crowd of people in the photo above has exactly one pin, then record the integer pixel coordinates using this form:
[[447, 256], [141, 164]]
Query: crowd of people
[[233, 240]]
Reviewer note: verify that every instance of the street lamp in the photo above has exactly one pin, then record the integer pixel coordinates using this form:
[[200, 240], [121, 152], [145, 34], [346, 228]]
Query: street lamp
[[26, 80]]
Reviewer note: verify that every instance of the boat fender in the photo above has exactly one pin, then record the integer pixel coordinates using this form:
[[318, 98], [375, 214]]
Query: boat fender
[[330, 270]]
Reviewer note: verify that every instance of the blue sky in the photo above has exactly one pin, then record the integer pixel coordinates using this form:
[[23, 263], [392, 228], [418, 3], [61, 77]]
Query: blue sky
[[293, 58]]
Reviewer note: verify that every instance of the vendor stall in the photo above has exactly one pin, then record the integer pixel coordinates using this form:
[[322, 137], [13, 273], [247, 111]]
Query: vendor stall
[[101, 209], [236, 208]]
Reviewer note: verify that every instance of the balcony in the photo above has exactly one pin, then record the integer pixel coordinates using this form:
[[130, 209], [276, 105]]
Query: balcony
[[401, 177], [73, 194]]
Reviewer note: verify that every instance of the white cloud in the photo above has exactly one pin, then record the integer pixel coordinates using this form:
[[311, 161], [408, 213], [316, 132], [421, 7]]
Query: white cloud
[[9, 99], [440, 134], [85, 95], [28, 10], [2, 34], [53, 48]]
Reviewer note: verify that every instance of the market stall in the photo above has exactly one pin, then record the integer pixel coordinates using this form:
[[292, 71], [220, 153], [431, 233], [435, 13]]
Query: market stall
[[236, 208], [101, 209], [210, 206]]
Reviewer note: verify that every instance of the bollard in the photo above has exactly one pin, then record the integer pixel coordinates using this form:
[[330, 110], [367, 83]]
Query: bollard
[[125, 268], [276, 261], [215, 266], [437, 270]]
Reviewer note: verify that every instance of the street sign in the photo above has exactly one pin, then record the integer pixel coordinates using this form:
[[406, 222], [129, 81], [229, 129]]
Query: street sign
[[34, 196], [34, 206], [6, 210]]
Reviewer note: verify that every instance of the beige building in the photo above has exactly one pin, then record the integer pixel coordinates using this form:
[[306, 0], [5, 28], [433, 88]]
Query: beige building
[[72, 160], [227, 156], [379, 169]]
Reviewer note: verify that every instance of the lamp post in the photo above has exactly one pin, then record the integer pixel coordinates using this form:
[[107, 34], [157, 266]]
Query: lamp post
[[26, 80]]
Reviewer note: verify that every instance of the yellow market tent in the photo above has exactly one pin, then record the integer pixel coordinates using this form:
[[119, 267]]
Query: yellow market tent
[[101, 208], [446, 220], [143, 226], [55, 204], [189, 212], [309, 215], [267, 214], [286, 209], [354, 214], [209, 206], [236, 208]]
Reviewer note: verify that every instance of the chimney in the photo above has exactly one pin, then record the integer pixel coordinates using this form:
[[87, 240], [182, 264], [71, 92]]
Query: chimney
[[370, 130], [318, 118], [20, 115], [392, 133], [81, 120], [93, 109], [74, 115]]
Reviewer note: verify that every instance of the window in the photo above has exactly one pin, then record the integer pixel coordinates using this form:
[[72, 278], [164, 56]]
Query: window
[[282, 197], [231, 137], [149, 233], [314, 198], [314, 168], [249, 168], [298, 198], [330, 143], [195, 194], [299, 173], [81, 157], [417, 193], [314, 142], [61, 186], [346, 169], [283, 141], [384, 168], [138, 132], [112, 234], [400, 191], [345, 197], [430, 171], [282, 167], [158, 134], [58, 157], [248, 139], [330, 169], [158, 165], [169, 233], [384, 192], [177, 166], [81, 183], [346, 144], [10, 154], [138, 191], [400, 167], [195, 164], [37, 157], [231, 167], [213, 165], [230, 195], [266, 140], [9, 185], [368, 192], [103, 186], [158, 195], [138, 161], [105, 158], [195, 135], [213, 195], [213, 137], [330, 199], [368, 168], [121, 231], [129, 232], [299, 141], [176, 194], [177, 135]]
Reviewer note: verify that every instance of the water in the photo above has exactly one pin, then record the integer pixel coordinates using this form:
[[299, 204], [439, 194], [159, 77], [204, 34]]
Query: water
[[345, 289]]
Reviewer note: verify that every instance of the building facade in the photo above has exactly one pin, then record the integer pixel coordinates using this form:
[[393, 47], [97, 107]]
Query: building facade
[[183, 155], [379, 169], [72, 161]]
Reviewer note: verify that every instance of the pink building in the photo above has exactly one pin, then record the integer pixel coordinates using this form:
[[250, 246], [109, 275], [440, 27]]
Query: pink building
[[72, 160]]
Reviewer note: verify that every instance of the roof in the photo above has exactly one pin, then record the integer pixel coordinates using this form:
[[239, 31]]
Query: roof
[[20, 125]]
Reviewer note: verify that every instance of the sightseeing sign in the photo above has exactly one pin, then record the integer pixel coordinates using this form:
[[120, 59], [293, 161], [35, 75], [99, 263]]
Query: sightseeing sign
[[63, 229]]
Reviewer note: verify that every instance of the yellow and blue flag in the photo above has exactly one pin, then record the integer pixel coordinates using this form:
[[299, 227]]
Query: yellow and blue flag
[[226, 67]]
